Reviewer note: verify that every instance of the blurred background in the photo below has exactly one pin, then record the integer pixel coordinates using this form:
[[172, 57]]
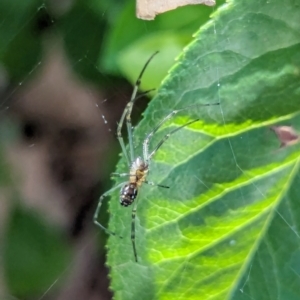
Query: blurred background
[[66, 73]]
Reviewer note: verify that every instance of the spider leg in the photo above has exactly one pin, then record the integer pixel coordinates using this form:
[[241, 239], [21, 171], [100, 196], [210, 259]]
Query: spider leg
[[146, 155], [99, 206], [155, 184], [127, 114], [123, 175], [119, 135], [133, 214], [119, 174], [149, 136], [167, 136]]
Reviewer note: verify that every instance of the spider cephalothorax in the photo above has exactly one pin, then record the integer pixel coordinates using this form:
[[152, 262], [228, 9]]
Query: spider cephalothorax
[[138, 171]]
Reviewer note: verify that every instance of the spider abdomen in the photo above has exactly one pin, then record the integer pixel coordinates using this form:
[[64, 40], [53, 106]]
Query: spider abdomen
[[128, 194]]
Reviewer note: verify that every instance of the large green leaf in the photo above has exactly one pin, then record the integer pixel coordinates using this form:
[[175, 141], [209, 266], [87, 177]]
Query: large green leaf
[[228, 226]]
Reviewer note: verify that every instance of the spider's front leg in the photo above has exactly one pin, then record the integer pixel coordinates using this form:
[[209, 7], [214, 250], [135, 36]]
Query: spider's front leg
[[127, 116]]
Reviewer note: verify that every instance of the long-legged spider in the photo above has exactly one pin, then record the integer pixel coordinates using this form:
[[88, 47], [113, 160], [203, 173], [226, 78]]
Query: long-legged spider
[[138, 166]]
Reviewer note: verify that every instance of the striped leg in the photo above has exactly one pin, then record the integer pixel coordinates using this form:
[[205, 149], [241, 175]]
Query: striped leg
[[146, 155], [127, 114], [133, 214], [99, 207]]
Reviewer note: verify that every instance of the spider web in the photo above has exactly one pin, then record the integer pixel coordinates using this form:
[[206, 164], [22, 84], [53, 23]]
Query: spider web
[[59, 209]]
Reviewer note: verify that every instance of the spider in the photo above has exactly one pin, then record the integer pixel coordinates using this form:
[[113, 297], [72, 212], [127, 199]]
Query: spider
[[138, 166]]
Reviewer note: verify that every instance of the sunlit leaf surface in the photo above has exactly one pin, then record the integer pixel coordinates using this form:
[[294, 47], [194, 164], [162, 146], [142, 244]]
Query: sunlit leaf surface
[[228, 226]]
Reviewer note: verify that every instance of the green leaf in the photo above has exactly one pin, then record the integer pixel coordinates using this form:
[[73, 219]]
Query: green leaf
[[168, 33], [131, 58], [228, 226]]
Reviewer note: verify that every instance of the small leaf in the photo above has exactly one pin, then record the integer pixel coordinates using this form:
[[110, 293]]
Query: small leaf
[[130, 60]]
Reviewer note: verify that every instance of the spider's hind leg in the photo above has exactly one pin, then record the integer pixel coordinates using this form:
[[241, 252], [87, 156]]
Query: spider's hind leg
[[96, 214], [133, 214]]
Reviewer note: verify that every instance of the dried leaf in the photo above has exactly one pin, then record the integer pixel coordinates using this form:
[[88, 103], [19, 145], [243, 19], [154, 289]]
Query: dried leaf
[[147, 10]]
